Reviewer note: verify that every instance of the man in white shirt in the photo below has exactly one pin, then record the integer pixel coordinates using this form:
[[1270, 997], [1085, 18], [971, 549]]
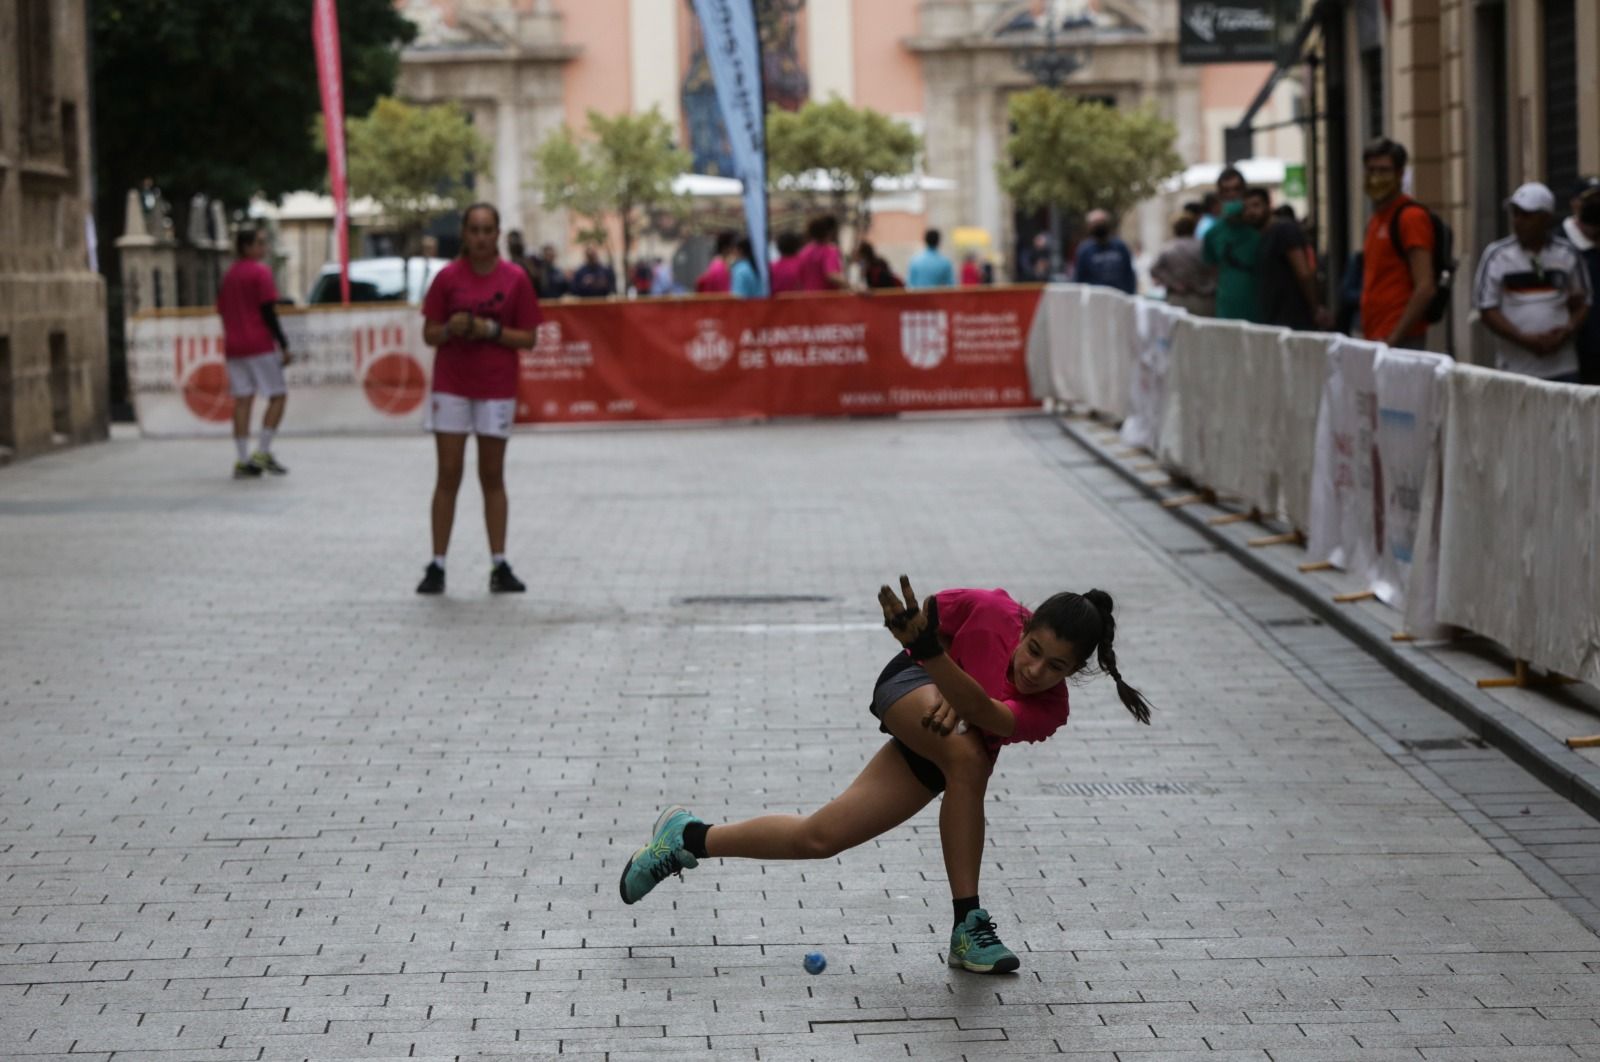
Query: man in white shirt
[[1532, 291]]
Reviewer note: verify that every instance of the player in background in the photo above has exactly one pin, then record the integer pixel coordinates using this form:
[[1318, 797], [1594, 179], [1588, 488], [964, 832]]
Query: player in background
[[479, 311], [256, 352]]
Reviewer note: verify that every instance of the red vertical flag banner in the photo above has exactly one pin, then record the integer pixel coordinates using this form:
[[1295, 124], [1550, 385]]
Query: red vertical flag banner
[[330, 78]]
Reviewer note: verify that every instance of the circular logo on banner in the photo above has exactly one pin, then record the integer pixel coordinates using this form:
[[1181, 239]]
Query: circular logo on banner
[[710, 350], [395, 384], [924, 337], [205, 392]]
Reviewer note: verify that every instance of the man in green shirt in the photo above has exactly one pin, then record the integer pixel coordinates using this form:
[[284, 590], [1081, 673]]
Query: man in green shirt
[[1233, 245]]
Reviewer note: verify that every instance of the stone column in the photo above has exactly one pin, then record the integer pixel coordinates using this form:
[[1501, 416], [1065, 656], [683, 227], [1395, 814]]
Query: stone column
[[139, 251], [1416, 104], [507, 158], [1588, 89]]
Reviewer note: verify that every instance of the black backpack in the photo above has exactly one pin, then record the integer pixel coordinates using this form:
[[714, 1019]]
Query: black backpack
[[1444, 258]]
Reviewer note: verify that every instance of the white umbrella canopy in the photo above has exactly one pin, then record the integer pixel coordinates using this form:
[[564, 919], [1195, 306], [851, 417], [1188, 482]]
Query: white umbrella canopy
[[1263, 171], [822, 181], [708, 186]]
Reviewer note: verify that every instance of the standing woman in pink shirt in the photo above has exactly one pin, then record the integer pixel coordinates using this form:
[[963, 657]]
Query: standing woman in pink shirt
[[979, 671], [479, 311]]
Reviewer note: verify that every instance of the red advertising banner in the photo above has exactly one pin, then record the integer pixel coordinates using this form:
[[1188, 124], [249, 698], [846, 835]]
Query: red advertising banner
[[330, 79], [366, 368], [820, 355]]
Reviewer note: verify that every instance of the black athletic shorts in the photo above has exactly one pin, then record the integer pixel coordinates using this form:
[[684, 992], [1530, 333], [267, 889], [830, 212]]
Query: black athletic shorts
[[899, 677]]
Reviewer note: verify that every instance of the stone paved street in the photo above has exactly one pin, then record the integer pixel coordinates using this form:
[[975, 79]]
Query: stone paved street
[[260, 801]]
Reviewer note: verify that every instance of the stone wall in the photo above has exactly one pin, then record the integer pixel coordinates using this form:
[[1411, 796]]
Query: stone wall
[[54, 375]]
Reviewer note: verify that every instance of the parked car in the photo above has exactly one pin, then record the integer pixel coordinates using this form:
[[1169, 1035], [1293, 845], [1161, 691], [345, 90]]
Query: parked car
[[378, 280]]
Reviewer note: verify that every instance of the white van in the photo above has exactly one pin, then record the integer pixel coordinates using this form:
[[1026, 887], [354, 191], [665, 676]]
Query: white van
[[378, 280]]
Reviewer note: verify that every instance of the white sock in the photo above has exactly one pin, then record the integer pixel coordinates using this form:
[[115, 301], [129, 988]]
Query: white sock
[[242, 444], [439, 560], [497, 559], [266, 439]]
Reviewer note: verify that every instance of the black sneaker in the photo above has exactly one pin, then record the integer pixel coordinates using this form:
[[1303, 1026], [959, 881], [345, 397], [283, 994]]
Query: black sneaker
[[267, 463], [501, 581], [432, 580], [246, 470]]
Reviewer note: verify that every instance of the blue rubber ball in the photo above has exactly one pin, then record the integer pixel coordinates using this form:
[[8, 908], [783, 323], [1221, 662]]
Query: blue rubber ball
[[816, 962]]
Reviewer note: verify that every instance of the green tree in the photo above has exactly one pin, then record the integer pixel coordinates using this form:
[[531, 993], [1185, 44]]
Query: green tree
[[851, 146], [622, 170], [414, 161], [1081, 155], [214, 96]]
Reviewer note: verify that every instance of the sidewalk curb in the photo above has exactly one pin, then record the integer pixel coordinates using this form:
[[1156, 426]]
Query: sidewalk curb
[[1529, 745]]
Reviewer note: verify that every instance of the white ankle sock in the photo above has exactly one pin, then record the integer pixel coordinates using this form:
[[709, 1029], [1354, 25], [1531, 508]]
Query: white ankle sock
[[439, 559], [497, 559], [242, 444], [266, 439]]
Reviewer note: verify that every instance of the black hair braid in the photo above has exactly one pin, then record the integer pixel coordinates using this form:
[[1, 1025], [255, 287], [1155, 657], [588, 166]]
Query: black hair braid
[[1106, 655]]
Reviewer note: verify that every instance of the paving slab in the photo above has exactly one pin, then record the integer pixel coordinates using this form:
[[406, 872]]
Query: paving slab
[[258, 800]]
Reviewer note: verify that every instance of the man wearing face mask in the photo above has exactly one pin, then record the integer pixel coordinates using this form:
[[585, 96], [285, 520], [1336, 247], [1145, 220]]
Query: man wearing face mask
[[1398, 283], [1103, 259], [1233, 246], [1582, 230], [1532, 291]]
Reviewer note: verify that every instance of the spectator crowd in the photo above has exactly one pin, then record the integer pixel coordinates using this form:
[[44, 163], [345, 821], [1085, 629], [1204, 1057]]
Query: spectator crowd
[[1232, 255]]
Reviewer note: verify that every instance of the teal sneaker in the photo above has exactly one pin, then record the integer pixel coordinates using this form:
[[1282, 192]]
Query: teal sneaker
[[664, 855], [974, 946]]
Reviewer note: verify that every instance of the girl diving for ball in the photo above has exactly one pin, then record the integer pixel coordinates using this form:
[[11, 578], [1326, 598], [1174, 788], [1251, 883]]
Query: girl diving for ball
[[978, 671]]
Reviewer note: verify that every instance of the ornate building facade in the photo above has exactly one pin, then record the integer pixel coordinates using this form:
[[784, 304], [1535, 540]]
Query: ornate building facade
[[946, 67]]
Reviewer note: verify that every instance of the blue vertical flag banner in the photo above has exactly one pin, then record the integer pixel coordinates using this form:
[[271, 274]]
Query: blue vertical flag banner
[[733, 49]]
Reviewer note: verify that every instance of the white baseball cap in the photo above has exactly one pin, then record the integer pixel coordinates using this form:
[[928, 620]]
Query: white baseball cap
[[1533, 198]]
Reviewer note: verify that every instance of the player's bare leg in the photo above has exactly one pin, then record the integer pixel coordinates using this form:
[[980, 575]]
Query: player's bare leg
[[452, 452]]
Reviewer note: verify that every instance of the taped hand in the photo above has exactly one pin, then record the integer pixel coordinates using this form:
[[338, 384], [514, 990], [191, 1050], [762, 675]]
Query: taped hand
[[915, 628]]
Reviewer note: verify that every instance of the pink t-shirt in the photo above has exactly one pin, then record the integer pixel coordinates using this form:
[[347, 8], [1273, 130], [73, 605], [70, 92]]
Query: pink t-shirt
[[716, 280], [984, 628], [786, 274], [819, 261], [480, 368], [245, 287]]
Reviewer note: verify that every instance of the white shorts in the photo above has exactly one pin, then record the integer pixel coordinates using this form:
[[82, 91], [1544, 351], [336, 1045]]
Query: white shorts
[[258, 374], [454, 415]]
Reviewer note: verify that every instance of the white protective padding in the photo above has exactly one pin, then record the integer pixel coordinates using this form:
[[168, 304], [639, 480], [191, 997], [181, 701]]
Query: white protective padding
[[1056, 342], [1344, 507], [1259, 415], [1224, 381], [1519, 560], [1185, 361], [1153, 324], [1110, 351], [1410, 389], [1084, 347], [355, 370], [1303, 361]]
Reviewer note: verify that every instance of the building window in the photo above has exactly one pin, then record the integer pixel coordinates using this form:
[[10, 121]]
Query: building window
[[69, 139], [1372, 88], [36, 67], [1560, 97], [8, 437], [1490, 116], [60, 386]]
